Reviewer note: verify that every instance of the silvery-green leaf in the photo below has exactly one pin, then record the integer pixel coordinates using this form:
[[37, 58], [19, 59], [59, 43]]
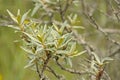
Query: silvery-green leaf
[[62, 27], [14, 27], [62, 52], [93, 66], [55, 34], [65, 43], [37, 6], [69, 17], [24, 16], [55, 26], [96, 57], [81, 27], [27, 50], [75, 17], [107, 59], [31, 37], [68, 61], [18, 13], [12, 16], [78, 54], [29, 65], [73, 47]]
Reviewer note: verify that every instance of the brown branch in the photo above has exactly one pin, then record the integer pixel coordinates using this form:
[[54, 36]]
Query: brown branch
[[107, 76], [45, 65], [70, 70], [37, 69], [116, 13], [95, 24], [63, 11], [114, 53], [81, 41], [100, 73], [55, 74]]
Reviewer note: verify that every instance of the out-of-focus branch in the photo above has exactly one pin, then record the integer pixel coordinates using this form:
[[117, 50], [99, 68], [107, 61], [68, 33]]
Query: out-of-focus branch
[[45, 65], [70, 70], [115, 52], [37, 69], [115, 12], [106, 75], [63, 11], [81, 41], [98, 27], [55, 74]]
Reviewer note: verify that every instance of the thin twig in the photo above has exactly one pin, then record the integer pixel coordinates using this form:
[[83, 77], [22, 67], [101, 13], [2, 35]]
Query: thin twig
[[54, 73], [70, 70], [45, 64], [98, 27], [37, 69]]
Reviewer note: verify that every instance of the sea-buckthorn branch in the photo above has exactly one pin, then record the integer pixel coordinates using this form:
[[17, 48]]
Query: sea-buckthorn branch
[[98, 27], [55, 74], [70, 70], [107, 76], [45, 65], [115, 12], [114, 53], [38, 71]]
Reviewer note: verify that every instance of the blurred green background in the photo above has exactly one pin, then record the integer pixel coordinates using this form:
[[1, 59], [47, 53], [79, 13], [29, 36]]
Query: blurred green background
[[13, 59]]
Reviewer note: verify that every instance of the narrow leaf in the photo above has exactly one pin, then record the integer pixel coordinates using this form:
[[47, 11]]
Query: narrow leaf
[[96, 57], [73, 47], [31, 37], [37, 6], [24, 16], [12, 16]]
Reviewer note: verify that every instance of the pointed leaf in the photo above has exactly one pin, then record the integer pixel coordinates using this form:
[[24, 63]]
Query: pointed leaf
[[73, 47], [31, 37], [68, 61], [107, 59], [24, 16], [37, 6], [12, 16], [78, 54], [96, 58], [55, 26]]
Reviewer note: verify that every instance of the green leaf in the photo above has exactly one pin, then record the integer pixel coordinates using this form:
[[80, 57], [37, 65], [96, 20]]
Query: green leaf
[[66, 43], [12, 16], [18, 16], [18, 13], [40, 38], [60, 41]]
